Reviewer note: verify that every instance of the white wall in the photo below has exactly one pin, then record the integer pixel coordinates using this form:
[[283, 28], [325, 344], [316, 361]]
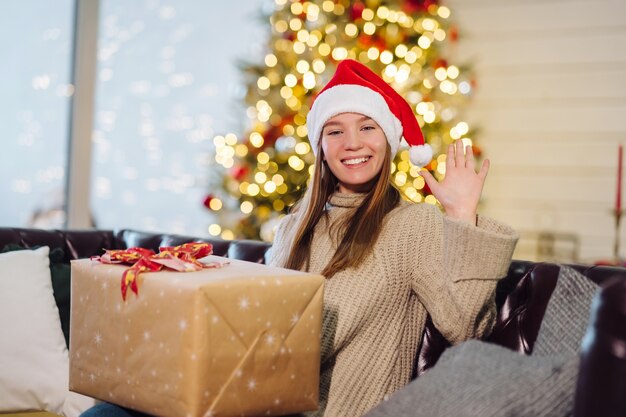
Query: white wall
[[551, 105]]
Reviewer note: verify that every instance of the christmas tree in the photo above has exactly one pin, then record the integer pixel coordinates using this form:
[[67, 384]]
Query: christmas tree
[[405, 41]]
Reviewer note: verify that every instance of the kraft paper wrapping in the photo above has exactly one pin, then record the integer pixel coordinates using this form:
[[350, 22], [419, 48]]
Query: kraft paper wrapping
[[242, 340]]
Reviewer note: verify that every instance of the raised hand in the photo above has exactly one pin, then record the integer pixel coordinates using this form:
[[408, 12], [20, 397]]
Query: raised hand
[[460, 190]]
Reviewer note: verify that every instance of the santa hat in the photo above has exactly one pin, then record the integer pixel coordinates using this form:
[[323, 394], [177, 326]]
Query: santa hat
[[356, 89]]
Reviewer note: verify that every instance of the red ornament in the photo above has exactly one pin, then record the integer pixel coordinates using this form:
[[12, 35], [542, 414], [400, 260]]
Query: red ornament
[[207, 201], [453, 33], [239, 172], [416, 6], [356, 11], [440, 62]]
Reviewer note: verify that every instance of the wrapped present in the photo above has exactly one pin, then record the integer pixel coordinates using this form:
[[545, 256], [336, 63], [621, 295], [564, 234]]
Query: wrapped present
[[241, 340]]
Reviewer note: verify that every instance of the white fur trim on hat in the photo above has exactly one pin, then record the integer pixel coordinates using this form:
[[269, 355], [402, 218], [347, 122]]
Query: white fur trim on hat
[[421, 155], [352, 98]]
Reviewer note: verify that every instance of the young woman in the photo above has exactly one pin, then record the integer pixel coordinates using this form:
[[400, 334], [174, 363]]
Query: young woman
[[388, 262]]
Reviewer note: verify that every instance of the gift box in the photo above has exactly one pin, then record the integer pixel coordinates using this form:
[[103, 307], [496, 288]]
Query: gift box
[[241, 340]]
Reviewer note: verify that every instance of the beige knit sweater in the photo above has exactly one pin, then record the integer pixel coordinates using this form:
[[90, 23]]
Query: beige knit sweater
[[374, 315]]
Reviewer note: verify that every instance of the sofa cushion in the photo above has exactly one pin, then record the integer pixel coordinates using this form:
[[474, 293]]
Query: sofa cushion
[[61, 285], [34, 365], [567, 314], [477, 378]]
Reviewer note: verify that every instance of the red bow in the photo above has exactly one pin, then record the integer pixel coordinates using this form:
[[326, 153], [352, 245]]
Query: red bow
[[182, 258]]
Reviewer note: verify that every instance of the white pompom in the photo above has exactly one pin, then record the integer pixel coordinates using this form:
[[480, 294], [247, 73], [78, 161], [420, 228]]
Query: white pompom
[[420, 155]]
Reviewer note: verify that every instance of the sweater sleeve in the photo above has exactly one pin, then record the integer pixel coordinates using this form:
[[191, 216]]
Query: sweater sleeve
[[456, 269]]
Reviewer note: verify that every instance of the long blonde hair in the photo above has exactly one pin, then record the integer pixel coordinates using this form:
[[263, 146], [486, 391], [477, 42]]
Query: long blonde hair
[[358, 232]]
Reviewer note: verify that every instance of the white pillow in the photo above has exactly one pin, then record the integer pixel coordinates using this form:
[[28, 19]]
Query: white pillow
[[34, 364]]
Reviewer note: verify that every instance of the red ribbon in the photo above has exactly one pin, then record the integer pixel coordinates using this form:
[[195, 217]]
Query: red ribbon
[[182, 258]]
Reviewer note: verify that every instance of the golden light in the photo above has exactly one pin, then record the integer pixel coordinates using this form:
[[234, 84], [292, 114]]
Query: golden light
[[339, 9], [243, 187], [281, 26], [318, 66], [444, 12], [419, 183], [386, 57], [314, 38], [391, 70], [303, 35], [400, 178], [295, 24], [403, 73], [269, 187], [393, 16], [263, 158], [403, 166], [282, 188], [291, 80], [301, 131], [246, 207], [441, 73], [263, 83], [271, 60], [351, 30], [454, 133], [462, 127], [369, 28], [439, 35], [302, 66], [278, 205], [215, 204], [430, 199], [228, 163], [256, 139], [453, 72], [299, 47], [281, 2], [286, 92], [302, 148], [293, 102], [328, 6], [312, 11], [427, 83], [429, 117], [401, 50], [230, 139], [393, 167], [367, 14], [424, 42], [260, 177], [308, 80], [228, 235], [429, 24], [324, 49], [410, 57], [215, 229], [296, 8], [372, 53], [296, 163], [253, 190], [421, 108], [410, 192], [382, 12], [340, 53], [278, 179], [241, 150]]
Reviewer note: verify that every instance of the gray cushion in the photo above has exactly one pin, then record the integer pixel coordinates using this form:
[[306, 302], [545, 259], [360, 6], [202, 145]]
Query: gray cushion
[[567, 314], [481, 379]]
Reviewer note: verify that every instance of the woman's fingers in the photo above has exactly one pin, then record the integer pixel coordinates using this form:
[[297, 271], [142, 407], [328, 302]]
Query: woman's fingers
[[469, 158], [450, 157], [460, 157], [432, 183], [484, 169]]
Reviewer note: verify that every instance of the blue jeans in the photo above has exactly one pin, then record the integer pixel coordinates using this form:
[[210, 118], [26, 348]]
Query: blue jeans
[[111, 410]]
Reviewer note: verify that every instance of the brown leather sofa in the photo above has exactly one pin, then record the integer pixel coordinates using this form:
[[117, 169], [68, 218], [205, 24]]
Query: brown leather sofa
[[522, 297]]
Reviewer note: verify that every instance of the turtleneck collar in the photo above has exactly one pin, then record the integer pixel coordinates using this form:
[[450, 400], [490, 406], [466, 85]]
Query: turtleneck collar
[[338, 199]]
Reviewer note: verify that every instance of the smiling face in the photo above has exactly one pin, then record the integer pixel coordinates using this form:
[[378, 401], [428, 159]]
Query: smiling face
[[355, 149]]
